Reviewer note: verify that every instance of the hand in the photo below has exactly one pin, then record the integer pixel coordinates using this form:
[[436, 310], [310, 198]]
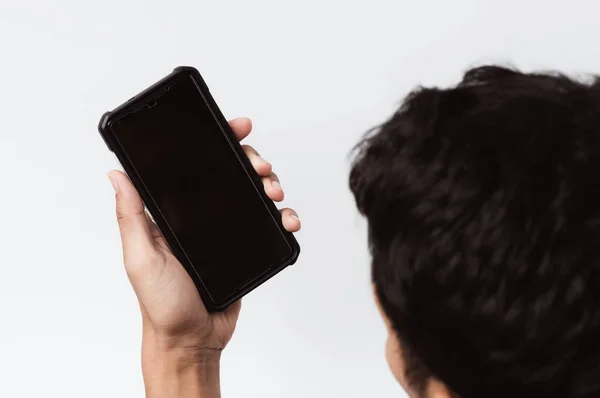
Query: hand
[[174, 317]]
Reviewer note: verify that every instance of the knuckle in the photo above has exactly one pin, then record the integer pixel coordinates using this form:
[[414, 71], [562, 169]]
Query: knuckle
[[268, 167], [122, 219], [120, 212]]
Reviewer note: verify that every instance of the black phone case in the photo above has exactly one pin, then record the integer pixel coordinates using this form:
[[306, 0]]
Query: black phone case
[[140, 100]]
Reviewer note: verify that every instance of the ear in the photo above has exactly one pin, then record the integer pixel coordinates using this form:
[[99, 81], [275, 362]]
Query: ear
[[437, 389]]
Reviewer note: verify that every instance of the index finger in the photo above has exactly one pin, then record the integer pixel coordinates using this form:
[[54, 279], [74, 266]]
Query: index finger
[[241, 127]]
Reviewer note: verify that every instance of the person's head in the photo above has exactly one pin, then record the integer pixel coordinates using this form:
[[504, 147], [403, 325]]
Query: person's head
[[483, 207]]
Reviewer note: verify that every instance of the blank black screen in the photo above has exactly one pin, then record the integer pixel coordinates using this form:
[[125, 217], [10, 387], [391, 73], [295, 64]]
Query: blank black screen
[[193, 175]]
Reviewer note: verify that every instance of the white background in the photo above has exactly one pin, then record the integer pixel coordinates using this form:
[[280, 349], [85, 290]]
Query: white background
[[313, 75]]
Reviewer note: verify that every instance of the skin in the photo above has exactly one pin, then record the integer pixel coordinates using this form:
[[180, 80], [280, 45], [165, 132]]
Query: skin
[[181, 341], [393, 354]]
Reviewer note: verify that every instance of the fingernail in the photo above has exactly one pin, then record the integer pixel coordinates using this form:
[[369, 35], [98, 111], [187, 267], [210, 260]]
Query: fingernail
[[295, 217], [114, 183], [276, 185]]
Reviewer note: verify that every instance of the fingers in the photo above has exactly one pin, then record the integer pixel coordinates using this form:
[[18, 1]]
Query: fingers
[[241, 127], [262, 167], [265, 170], [290, 220], [273, 187], [136, 235]]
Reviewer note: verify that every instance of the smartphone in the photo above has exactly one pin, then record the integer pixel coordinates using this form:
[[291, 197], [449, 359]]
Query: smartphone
[[199, 187]]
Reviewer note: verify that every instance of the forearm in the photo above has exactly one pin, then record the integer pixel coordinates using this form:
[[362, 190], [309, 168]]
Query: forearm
[[173, 374]]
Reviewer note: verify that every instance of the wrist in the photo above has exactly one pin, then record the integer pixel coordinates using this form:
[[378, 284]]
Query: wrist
[[172, 371]]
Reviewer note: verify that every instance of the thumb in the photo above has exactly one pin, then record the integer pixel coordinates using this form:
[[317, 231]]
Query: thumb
[[135, 231]]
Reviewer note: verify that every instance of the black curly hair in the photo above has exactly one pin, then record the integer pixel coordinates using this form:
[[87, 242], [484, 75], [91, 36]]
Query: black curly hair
[[483, 206]]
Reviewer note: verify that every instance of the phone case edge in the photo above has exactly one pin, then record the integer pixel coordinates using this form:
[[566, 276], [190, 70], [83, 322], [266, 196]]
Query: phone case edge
[[260, 279]]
